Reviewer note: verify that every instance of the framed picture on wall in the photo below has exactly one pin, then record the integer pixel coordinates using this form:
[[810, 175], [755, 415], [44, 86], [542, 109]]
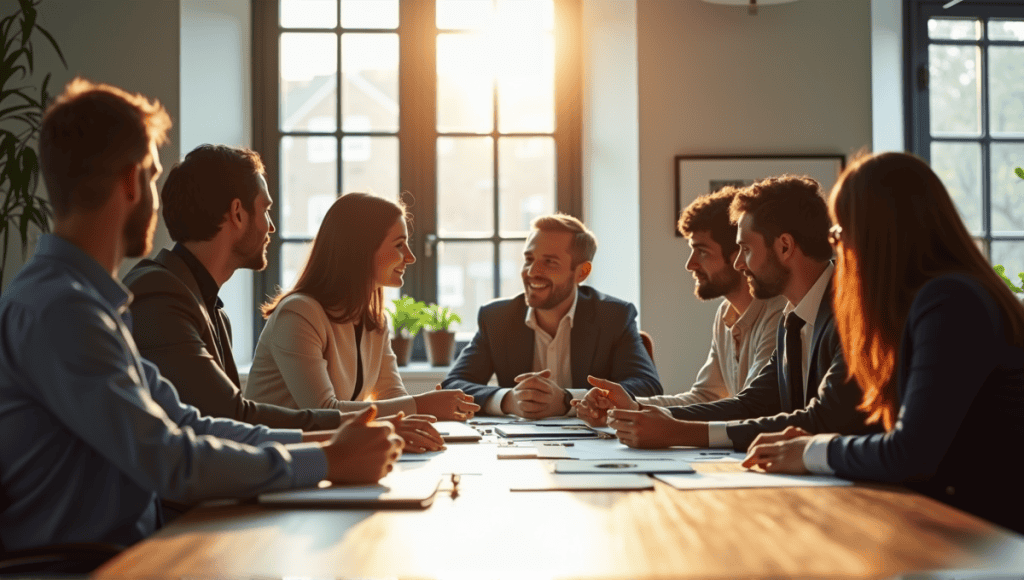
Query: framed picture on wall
[[702, 174]]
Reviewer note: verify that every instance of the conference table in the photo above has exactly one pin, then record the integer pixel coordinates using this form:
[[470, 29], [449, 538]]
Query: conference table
[[477, 528]]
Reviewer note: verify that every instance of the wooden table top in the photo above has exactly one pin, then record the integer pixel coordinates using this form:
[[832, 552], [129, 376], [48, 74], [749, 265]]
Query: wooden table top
[[863, 531]]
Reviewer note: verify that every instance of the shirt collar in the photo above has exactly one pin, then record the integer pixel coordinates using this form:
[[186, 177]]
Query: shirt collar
[[108, 287], [807, 310], [207, 286], [531, 315], [745, 320]]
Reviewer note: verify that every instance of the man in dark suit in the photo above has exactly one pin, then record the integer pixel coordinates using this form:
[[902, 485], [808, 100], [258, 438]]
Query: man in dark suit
[[782, 232], [543, 344], [215, 204]]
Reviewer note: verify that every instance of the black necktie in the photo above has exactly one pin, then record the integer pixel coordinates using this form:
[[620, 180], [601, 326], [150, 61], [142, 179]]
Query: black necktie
[[794, 360]]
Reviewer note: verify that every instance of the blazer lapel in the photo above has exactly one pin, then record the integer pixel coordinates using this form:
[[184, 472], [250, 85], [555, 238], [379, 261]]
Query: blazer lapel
[[520, 351], [583, 341], [176, 266], [821, 321]]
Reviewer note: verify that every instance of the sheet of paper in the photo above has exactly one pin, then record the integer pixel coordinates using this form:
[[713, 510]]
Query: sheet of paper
[[613, 449], [747, 479], [623, 466], [537, 476]]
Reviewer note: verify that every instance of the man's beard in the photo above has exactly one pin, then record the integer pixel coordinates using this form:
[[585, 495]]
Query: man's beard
[[772, 282], [716, 287], [556, 295], [251, 249], [138, 230]]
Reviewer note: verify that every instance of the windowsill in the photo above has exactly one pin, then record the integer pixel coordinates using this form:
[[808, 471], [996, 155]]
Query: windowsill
[[418, 376]]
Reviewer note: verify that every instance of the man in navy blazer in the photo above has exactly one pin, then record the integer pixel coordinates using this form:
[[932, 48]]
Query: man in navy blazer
[[782, 231], [543, 344]]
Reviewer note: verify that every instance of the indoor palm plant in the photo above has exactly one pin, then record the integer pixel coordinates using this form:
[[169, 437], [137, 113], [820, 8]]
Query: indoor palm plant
[[21, 113], [440, 340], [407, 319]]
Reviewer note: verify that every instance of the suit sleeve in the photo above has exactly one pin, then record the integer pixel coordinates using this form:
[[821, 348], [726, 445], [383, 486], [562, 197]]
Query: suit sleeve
[[759, 398], [475, 366], [833, 410], [167, 330], [632, 367], [955, 339]]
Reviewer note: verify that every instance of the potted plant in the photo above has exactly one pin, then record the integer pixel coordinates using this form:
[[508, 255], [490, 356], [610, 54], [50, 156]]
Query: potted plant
[[440, 339], [1002, 270], [21, 113], [406, 320]]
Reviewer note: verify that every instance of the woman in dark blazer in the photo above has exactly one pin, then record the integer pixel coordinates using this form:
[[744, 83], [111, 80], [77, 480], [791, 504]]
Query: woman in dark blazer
[[935, 339]]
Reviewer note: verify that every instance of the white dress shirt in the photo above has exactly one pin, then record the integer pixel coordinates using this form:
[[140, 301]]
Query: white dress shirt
[[807, 310], [549, 352]]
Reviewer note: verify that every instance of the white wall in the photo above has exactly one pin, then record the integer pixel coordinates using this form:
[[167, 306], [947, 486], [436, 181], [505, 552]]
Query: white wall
[[712, 80], [611, 155], [127, 43], [887, 75], [216, 107]]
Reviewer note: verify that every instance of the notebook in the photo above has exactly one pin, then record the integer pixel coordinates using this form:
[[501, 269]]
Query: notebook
[[455, 432], [399, 490]]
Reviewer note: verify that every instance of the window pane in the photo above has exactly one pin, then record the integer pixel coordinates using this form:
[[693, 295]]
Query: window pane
[[308, 13], [465, 279], [369, 13], [953, 89], [1006, 87], [293, 258], [465, 186], [308, 183], [369, 67], [1006, 30], [520, 15], [958, 165], [511, 267], [954, 29], [526, 86], [465, 84], [370, 164], [464, 14], [1011, 256], [526, 181], [1007, 188], [309, 81]]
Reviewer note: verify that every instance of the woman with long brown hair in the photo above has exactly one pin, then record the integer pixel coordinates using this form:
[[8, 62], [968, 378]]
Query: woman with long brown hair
[[934, 338], [326, 341]]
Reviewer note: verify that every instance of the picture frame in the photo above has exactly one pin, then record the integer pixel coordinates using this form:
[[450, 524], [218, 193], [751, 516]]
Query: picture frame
[[702, 174]]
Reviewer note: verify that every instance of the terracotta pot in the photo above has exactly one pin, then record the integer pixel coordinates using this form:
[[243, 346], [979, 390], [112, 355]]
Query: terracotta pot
[[440, 347], [402, 346]]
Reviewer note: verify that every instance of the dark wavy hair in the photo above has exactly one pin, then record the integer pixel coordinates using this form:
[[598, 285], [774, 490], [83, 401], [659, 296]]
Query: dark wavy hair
[[790, 204], [340, 269], [710, 213], [900, 230]]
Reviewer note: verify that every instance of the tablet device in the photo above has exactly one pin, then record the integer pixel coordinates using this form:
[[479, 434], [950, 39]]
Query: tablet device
[[543, 431], [622, 466], [456, 432], [398, 490]]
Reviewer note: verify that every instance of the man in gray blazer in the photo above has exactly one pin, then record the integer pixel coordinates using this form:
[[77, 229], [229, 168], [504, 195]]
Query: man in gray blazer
[[215, 203]]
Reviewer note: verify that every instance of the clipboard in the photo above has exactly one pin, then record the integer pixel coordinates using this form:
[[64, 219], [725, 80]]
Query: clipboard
[[398, 490]]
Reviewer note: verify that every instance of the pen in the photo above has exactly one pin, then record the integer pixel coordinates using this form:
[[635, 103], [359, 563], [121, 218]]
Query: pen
[[456, 478], [714, 453]]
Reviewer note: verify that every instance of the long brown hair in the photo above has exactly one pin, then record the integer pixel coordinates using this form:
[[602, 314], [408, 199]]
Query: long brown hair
[[339, 272], [900, 229]]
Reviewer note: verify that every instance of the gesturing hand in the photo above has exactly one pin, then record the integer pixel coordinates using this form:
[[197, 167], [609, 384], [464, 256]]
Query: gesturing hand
[[417, 432], [535, 396], [605, 395], [650, 428], [362, 450], [446, 404]]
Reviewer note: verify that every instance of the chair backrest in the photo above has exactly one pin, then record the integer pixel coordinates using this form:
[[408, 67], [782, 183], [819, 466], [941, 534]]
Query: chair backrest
[[648, 343]]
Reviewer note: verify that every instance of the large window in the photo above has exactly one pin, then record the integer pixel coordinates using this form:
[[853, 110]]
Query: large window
[[466, 109], [967, 101]]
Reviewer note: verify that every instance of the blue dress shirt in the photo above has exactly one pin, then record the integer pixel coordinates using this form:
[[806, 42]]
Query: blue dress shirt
[[92, 434]]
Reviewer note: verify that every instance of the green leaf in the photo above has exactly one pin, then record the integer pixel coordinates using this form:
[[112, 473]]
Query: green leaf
[[1020, 172], [1001, 271]]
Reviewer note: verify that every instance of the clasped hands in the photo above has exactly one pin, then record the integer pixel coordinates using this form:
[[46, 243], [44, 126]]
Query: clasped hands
[[535, 396]]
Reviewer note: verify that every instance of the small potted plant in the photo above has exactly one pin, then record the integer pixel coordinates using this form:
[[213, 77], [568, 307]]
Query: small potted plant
[[440, 339], [406, 320]]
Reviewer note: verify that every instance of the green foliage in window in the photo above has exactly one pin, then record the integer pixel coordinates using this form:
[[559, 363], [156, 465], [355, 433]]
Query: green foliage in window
[[1000, 269], [437, 318], [407, 317]]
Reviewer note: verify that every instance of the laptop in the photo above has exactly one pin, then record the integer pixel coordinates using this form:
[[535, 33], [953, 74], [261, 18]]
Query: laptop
[[398, 490]]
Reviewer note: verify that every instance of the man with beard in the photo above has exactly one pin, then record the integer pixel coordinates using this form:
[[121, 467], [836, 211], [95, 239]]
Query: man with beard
[[92, 433], [215, 205], [543, 344], [782, 233], [743, 335]]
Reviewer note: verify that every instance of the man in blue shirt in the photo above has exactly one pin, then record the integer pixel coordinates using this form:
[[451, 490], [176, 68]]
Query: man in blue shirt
[[92, 433]]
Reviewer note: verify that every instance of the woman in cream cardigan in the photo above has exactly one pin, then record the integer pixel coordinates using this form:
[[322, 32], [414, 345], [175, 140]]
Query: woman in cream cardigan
[[326, 342]]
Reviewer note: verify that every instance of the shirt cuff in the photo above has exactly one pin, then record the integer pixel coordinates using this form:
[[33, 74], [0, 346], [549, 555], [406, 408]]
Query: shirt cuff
[[576, 394], [718, 435], [286, 436], [816, 454], [493, 404], [309, 464]]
